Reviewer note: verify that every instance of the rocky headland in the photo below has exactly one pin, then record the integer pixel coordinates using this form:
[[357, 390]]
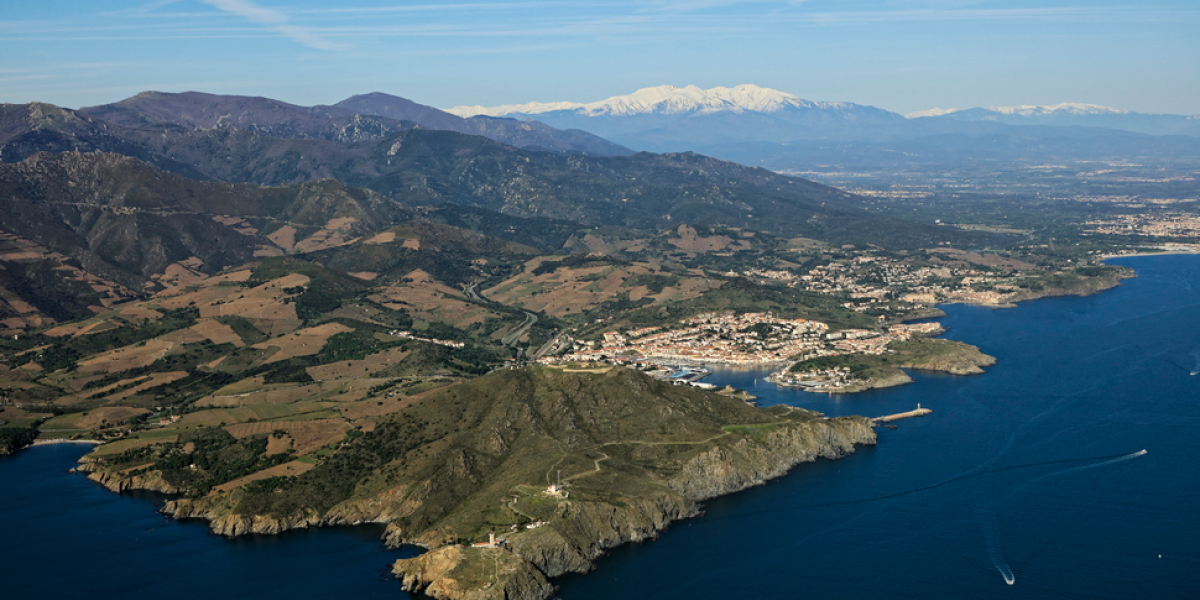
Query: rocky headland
[[506, 436]]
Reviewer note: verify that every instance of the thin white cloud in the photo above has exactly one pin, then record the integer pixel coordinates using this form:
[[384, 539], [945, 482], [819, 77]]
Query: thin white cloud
[[23, 78], [273, 20], [446, 8], [142, 10]]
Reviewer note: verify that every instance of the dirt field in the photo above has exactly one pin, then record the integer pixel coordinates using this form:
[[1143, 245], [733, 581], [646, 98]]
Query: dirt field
[[990, 260], [292, 469], [376, 407], [129, 357], [18, 325], [143, 383], [335, 233], [145, 438], [261, 302], [284, 237], [93, 325], [570, 290], [156, 380], [689, 241], [207, 329], [258, 412], [237, 224], [426, 298], [140, 313], [182, 274], [304, 342], [385, 237], [306, 436], [357, 368], [323, 239], [277, 394], [243, 275], [174, 297], [95, 418]]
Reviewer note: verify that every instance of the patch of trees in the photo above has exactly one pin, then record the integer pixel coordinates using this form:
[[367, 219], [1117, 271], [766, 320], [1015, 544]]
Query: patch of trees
[[655, 282], [216, 457], [575, 260], [41, 284], [15, 438]]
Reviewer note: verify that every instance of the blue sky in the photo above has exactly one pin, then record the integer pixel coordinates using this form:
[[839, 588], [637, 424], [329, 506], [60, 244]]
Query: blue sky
[[902, 55]]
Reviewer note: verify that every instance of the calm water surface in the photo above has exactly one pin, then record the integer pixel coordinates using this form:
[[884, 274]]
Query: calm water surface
[[1027, 482], [62, 536], [1028, 474]]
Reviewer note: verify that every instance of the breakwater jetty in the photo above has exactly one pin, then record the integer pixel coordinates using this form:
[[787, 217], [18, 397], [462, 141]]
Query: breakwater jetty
[[918, 412]]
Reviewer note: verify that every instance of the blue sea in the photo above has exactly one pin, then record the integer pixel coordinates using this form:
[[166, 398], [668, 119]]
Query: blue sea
[[1069, 470]]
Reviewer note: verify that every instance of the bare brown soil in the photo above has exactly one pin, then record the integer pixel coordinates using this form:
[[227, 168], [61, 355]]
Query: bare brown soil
[[290, 469], [307, 436], [357, 368], [129, 357], [304, 342]]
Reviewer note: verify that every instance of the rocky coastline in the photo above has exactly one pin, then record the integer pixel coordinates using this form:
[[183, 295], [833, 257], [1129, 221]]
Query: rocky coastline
[[585, 531], [580, 533]]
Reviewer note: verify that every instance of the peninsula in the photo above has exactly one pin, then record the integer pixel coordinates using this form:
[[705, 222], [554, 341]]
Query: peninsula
[[509, 480]]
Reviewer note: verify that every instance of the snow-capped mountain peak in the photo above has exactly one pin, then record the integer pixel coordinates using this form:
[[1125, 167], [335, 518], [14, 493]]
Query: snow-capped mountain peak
[[663, 99], [1069, 108], [932, 112], [1027, 110]]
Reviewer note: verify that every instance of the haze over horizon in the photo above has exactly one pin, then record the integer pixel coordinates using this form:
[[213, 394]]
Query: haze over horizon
[[900, 55]]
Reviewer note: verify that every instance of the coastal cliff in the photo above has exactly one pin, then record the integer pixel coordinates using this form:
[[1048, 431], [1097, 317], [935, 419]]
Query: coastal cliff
[[633, 454], [583, 531], [458, 573], [119, 482]]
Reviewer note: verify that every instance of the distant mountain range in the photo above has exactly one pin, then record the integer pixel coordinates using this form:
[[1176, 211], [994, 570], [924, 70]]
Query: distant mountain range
[[1073, 114], [758, 126], [668, 100], [355, 119], [125, 190], [668, 118]]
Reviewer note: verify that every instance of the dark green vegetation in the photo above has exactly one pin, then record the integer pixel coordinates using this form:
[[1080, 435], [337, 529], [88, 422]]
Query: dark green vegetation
[[202, 459], [357, 118], [456, 455], [427, 166], [125, 220], [917, 353], [44, 286], [451, 465], [15, 438], [447, 253], [736, 294], [220, 286]]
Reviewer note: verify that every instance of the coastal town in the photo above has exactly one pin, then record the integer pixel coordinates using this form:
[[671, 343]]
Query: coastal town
[[739, 340], [884, 285], [1168, 226]]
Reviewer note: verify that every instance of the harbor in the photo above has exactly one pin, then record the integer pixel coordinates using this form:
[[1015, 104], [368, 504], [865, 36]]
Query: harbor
[[918, 412]]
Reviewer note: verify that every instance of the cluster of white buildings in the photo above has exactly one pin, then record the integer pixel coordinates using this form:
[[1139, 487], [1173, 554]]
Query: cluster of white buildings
[[873, 280], [409, 336], [1178, 225], [714, 338], [737, 339]]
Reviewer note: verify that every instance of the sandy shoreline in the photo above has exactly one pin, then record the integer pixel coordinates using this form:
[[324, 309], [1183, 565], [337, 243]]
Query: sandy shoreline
[[41, 442], [1158, 253]]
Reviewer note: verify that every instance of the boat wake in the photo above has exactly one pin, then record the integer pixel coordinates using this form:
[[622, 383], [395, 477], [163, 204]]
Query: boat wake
[[991, 530], [1107, 460], [991, 536]]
